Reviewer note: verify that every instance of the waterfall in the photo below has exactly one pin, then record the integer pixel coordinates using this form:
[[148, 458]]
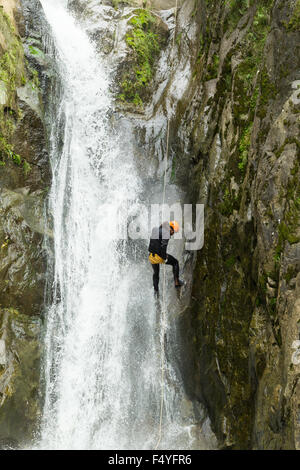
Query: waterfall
[[102, 345]]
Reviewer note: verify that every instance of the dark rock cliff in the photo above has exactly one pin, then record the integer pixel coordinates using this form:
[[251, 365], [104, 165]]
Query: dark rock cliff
[[237, 151], [24, 179]]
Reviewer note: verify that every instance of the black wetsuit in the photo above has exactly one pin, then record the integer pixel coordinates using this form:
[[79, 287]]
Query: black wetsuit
[[158, 245]]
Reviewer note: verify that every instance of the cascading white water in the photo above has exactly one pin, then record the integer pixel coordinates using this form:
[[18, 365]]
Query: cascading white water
[[102, 357]]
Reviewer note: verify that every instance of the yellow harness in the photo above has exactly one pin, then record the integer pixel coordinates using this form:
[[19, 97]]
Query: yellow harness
[[155, 259]]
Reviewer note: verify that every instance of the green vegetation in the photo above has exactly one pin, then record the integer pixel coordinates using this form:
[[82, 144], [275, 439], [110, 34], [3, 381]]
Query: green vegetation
[[9, 68], [231, 202], [226, 207], [262, 287], [145, 44], [244, 147], [250, 51], [285, 233], [288, 141], [34, 82], [11, 61], [236, 9], [291, 272], [230, 262], [12, 75], [294, 23], [195, 8], [245, 85], [34, 50], [13, 311], [7, 21], [178, 39], [267, 91], [252, 87], [7, 153], [212, 69], [26, 167], [288, 227]]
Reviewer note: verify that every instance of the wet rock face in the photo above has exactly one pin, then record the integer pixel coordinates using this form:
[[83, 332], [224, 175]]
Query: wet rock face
[[24, 178], [22, 265], [236, 142], [19, 366]]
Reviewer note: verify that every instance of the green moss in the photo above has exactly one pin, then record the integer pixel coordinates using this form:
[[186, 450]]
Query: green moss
[[231, 202], [12, 60], [269, 213], [262, 283], [295, 109], [13, 311], [201, 44], [195, 9], [34, 78], [294, 23], [144, 42], [178, 39], [7, 152], [137, 101], [244, 147], [282, 234], [220, 319], [212, 69], [12, 75], [288, 141], [290, 274], [268, 91], [245, 88], [235, 10], [230, 262], [288, 227], [226, 207], [272, 305], [34, 50], [267, 87], [26, 167], [284, 72]]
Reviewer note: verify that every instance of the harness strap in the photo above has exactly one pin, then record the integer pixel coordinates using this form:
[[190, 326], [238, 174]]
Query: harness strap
[[155, 259]]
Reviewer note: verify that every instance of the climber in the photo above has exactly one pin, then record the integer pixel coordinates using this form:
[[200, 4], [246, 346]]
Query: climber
[[158, 252]]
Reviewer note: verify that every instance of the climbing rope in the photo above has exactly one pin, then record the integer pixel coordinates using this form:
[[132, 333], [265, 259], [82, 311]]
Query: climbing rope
[[163, 322]]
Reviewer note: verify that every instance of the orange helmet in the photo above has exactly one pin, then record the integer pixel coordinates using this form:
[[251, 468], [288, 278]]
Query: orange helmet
[[175, 226]]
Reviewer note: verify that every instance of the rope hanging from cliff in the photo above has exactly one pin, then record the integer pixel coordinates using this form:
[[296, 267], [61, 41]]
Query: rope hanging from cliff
[[163, 322]]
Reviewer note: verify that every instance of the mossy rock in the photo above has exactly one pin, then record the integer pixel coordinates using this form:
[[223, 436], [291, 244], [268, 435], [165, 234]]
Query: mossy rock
[[19, 377], [22, 258], [146, 35]]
